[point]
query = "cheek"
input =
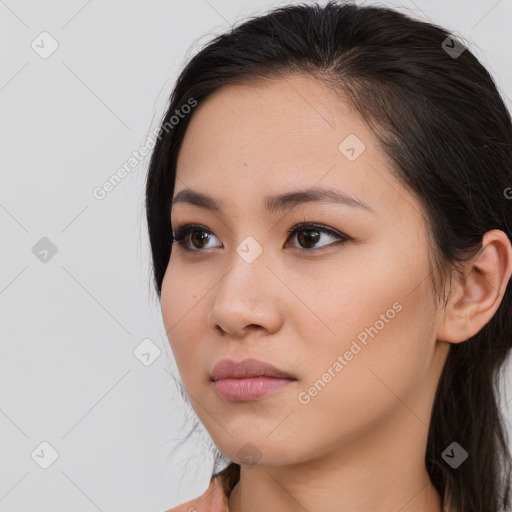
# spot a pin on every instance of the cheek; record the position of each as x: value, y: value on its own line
x: 381, y: 300
x: 182, y: 292
x: 377, y: 321
x: 182, y: 312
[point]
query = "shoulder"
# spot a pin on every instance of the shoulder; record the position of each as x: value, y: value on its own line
x: 213, y: 499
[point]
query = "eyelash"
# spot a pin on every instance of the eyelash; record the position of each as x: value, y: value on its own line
x: 180, y: 235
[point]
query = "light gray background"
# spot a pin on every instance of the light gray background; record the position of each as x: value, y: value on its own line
x: 69, y: 376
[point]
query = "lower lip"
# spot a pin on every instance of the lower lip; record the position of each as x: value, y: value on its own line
x: 251, y: 388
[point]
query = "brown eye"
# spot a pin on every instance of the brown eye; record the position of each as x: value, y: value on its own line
x: 199, y: 238
x: 308, y: 235
x: 192, y: 237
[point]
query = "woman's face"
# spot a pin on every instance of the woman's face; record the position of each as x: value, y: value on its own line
x: 354, y: 322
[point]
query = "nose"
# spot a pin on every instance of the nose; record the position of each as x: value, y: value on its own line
x: 247, y: 299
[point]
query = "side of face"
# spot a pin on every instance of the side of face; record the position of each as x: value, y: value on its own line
x: 354, y: 322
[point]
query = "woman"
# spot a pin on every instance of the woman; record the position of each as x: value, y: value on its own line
x: 334, y: 183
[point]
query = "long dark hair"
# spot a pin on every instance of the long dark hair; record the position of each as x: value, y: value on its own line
x: 442, y: 123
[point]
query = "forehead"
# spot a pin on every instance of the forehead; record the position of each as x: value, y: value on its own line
x: 253, y: 140
x: 279, y: 120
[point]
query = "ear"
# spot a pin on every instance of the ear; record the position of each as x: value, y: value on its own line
x: 476, y: 296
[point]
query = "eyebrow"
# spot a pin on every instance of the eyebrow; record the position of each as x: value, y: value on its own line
x: 276, y: 203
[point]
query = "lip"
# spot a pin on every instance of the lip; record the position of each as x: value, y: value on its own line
x: 248, y: 379
x: 246, y: 368
x: 250, y: 388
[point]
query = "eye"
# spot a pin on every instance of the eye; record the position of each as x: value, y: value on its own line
x: 200, y: 236
x: 181, y: 236
x: 312, y: 233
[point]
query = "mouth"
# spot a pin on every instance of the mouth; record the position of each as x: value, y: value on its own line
x: 250, y: 388
x: 248, y: 379
x: 230, y: 369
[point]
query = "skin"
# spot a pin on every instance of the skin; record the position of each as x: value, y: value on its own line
x: 359, y: 444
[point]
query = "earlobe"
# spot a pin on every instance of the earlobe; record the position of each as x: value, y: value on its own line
x: 476, y: 297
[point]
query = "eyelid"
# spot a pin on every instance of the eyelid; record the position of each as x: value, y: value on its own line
x: 182, y: 231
